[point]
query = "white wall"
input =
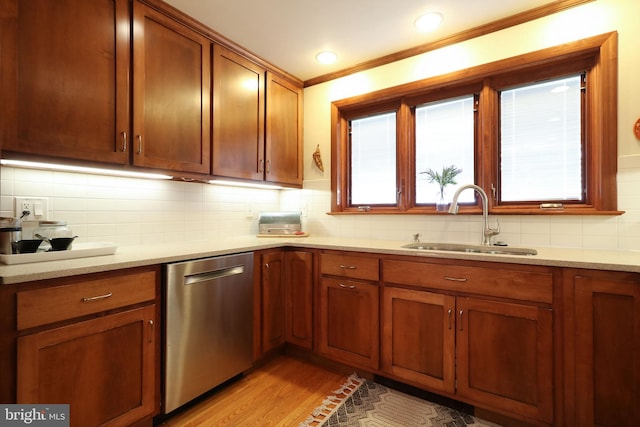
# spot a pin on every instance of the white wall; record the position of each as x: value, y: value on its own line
x: 609, y: 232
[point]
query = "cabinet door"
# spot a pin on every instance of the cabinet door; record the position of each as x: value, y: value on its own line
x: 300, y: 298
x: 273, y: 300
x: 505, y: 357
x: 171, y: 94
x: 238, y: 116
x: 607, y: 350
x: 284, y: 132
x: 349, y: 322
x: 104, y: 368
x: 418, y: 337
x: 65, y: 78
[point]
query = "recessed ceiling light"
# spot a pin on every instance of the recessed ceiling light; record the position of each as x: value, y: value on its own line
x: 326, y: 57
x: 429, y: 21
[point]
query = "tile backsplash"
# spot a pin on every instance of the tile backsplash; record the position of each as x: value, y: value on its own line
x: 130, y: 211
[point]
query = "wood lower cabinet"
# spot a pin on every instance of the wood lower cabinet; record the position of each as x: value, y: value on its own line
x: 504, y: 357
x: 286, y: 303
x: 65, y: 79
x: 91, y: 342
x: 273, y: 289
x: 349, y: 322
x: 348, y: 309
x: 493, y: 349
x: 171, y: 93
x: 104, y: 368
x: 418, y: 337
x: 603, y: 357
x: 299, y: 296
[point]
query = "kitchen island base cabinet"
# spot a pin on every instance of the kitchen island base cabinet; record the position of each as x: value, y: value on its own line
x: 103, y: 368
x: 607, y: 348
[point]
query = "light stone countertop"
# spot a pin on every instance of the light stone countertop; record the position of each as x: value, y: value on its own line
x: 136, y: 256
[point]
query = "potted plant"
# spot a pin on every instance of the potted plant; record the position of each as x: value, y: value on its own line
x: 444, y: 178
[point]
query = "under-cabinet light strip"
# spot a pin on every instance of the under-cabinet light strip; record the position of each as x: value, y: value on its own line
x: 81, y: 169
x: 246, y: 184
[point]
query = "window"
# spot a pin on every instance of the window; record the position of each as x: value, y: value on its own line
x: 373, y: 160
x: 541, y: 156
x: 445, y: 136
x: 537, y: 132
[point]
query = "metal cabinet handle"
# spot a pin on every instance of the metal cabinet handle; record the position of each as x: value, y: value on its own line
x: 461, y: 313
x: 124, y: 141
x: 139, y: 144
x: 99, y: 297
x: 261, y: 166
x: 151, y: 326
x: 455, y: 279
x: 449, y: 312
x: 348, y: 267
x: 342, y: 285
x: 268, y: 166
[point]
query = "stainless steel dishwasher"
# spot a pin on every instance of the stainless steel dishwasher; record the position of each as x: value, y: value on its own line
x: 209, y: 325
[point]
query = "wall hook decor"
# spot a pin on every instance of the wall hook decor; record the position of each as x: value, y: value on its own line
x: 317, y: 158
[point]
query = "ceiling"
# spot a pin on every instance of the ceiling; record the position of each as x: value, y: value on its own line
x: 289, y: 33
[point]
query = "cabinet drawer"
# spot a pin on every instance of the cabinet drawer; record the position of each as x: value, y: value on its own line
x: 47, y: 305
x: 489, y: 281
x: 356, y: 267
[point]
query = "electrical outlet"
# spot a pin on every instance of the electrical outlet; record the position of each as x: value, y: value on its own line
x: 37, y: 208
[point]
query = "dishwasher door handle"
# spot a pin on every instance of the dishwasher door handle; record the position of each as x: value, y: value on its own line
x: 213, y: 275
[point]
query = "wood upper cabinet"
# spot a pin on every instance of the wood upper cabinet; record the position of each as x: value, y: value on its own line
x: 283, y: 150
x: 606, y: 348
x: 348, y: 309
x: 65, y: 78
x: 171, y: 94
x: 257, y: 122
x: 299, y: 296
x: 238, y: 116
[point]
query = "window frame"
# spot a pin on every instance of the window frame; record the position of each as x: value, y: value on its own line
x: 596, y: 55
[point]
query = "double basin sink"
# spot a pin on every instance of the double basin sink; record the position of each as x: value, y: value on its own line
x: 479, y: 249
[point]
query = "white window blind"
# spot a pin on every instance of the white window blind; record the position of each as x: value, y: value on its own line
x: 540, y: 142
x: 373, y: 160
x: 444, y: 137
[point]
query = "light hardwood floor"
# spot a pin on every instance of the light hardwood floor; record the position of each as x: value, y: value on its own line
x: 282, y: 392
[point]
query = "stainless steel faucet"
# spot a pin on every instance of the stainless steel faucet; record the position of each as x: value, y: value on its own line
x: 487, y: 232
